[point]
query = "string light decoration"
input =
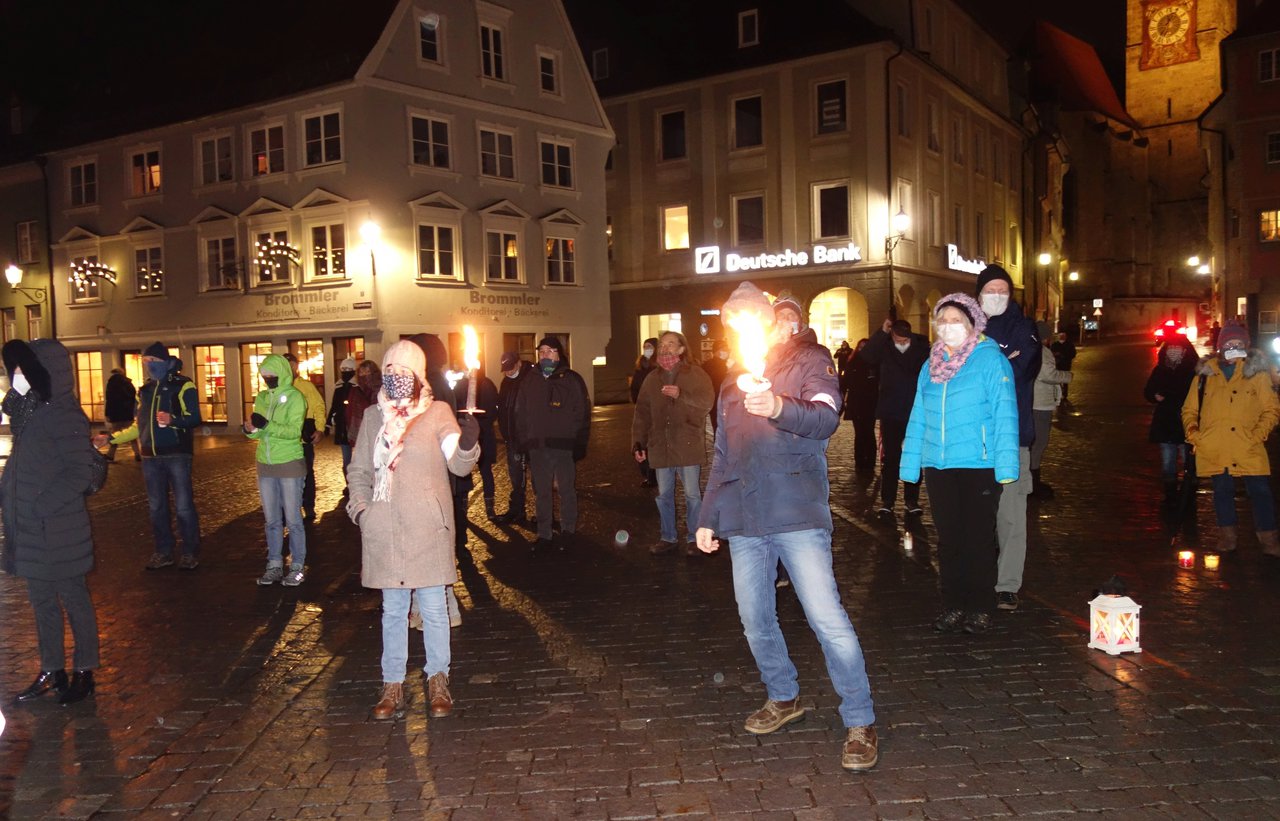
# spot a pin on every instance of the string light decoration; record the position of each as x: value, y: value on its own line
x: 151, y: 281
x: 275, y: 256
x: 86, y: 272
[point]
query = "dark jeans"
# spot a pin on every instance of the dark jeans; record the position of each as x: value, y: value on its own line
x: 309, y: 485
x: 162, y: 474
x: 864, y: 443
x: 1259, y: 490
x: 516, y: 472
x: 964, y: 503
x: 892, y: 433
x: 48, y: 600
x: 554, y: 470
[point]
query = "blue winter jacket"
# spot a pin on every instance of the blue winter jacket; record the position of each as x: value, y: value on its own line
x: 770, y: 475
x: 1016, y: 335
x: 970, y: 421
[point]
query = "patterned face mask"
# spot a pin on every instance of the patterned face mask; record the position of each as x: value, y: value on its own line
x: 397, y: 386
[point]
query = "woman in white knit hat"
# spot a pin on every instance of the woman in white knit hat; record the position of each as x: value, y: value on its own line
x: 400, y: 499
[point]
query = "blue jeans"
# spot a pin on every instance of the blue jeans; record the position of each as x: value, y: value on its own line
x: 689, y: 478
x: 1259, y: 490
x: 395, y: 631
x: 346, y: 457
x: 806, y: 555
x: 1170, y: 453
x: 282, y: 504
x: 160, y: 474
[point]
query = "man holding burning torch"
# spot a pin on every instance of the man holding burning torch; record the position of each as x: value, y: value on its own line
x: 768, y: 494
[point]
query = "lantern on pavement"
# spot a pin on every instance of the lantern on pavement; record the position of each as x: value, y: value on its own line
x: 1113, y: 624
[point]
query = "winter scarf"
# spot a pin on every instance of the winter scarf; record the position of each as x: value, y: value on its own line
x: 397, y: 415
x: 941, y: 365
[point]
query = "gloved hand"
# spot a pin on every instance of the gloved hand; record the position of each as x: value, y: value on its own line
x: 259, y: 421
x: 470, y: 431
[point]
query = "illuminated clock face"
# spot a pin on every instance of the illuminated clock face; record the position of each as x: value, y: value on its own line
x: 1169, y: 25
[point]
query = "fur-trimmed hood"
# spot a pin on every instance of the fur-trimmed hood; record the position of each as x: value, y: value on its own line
x: 1254, y: 364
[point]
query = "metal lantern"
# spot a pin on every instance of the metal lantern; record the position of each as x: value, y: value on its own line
x: 1113, y: 624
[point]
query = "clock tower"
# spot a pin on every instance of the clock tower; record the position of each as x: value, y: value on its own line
x: 1172, y: 73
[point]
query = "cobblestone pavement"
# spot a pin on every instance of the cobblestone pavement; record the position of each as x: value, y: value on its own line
x: 605, y: 683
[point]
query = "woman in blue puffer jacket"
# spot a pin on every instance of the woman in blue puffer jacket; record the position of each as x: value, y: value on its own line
x: 963, y: 433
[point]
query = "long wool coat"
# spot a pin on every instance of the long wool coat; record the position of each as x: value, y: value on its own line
x: 672, y: 430
x: 1230, y: 430
x: 407, y: 540
x: 46, y: 523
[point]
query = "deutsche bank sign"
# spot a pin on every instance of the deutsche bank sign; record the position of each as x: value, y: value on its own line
x: 706, y: 260
x: 958, y: 263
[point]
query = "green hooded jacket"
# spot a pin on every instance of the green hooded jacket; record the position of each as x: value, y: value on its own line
x: 284, y: 409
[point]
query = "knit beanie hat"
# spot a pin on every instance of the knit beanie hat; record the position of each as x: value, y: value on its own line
x: 1232, y: 330
x: 156, y: 350
x: 786, y: 299
x: 747, y: 297
x: 992, y: 272
x: 347, y: 364
x: 967, y: 305
x: 555, y: 344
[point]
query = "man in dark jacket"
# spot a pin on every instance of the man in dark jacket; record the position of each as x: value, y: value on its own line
x: 336, y: 421
x: 899, y: 354
x: 553, y: 425
x: 717, y: 368
x: 768, y: 493
x: 47, y: 539
x: 1016, y: 335
x: 121, y: 405
x: 168, y: 411
x: 514, y: 372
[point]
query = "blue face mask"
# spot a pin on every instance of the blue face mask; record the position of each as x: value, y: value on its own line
x: 547, y: 366
x: 157, y: 370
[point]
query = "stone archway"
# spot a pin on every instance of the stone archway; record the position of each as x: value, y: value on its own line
x: 839, y: 314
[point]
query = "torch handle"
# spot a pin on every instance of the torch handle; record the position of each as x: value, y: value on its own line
x: 471, y: 391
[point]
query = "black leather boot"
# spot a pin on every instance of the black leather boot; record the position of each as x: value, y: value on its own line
x: 55, y: 680
x: 81, y: 687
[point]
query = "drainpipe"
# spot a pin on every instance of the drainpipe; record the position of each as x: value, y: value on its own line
x: 43, y: 162
x: 888, y: 173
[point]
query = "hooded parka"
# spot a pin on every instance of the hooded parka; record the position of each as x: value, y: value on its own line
x: 1229, y: 431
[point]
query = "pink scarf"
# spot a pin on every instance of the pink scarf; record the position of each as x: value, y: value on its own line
x: 942, y: 367
x: 396, y: 417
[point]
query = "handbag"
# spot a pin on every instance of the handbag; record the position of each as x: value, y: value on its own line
x: 97, y: 471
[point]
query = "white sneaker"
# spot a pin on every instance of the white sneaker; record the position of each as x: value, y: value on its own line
x: 294, y: 577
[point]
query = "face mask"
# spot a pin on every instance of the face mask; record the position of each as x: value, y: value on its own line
x: 157, y: 370
x: 1062, y: 337
x: 952, y: 334
x: 795, y: 328
x: 648, y: 352
x: 1174, y: 355
x: 723, y: 354
x: 347, y: 376
x: 667, y: 361
x: 1234, y: 354
x: 547, y: 366
x: 397, y: 386
x: 513, y: 373
x: 20, y: 383
x: 902, y: 346
x: 271, y: 381
x: 994, y: 304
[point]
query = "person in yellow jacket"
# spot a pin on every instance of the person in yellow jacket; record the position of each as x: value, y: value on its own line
x: 312, y: 433
x: 1228, y: 414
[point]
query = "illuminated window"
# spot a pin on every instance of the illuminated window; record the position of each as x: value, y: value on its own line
x: 215, y: 159
x: 148, y: 271
x: 655, y: 325
x: 675, y: 227
x: 273, y: 256
x: 347, y: 346
x: 84, y: 183
x: 90, y: 290
x: 831, y: 210
x: 310, y: 356
x: 266, y: 150
x: 144, y: 173
x: 322, y: 138
x: 211, y: 382
x: 502, y: 256
x: 830, y: 103
x: 557, y: 164
x: 497, y: 154
x: 1269, y: 226
x: 251, y: 384
x: 329, y: 251
x: 89, y: 383
x: 436, y: 252
x: 492, y: 56
x: 560, y: 261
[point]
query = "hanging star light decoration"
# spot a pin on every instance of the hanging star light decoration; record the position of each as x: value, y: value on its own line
x: 85, y: 271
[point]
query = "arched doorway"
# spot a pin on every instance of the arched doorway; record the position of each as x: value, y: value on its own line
x: 837, y: 315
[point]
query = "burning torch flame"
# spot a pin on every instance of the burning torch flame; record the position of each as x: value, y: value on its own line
x: 470, y: 349
x: 753, y: 345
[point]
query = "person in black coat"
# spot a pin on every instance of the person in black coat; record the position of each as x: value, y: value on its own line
x: 1167, y: 387
x: 861, y: 389
x: 717, y: 369
x: 121, y: 404
x: 899, y: 355
x: 644, y: 366
x: 47, y: 539
x: 336, y: 421
x: 514, y: 373
x: 487, y: 402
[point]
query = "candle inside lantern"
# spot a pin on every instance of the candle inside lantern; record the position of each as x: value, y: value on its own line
x: 753, y: 346
x: 1186, y: 558
x: 907, y: 542
x: 1211, y: 561
x: 471, y: 358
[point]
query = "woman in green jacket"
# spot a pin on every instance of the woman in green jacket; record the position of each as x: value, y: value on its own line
x: 276, y: 424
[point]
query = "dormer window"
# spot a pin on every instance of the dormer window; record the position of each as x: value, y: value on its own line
x: 600, y: 64
x: 748, y: 28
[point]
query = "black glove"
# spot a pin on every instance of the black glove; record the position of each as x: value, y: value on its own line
x: 470, y: 432
x: 308, y: 429
x: 259, y: 421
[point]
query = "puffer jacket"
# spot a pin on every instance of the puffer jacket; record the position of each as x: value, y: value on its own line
x: 285, y: 410
x: 673, y: 431
x: 553, y: 412
x: 1229, y: 432
x: 1016, y: 336
x: 46, y: 522
x: 770, y: 475
x: 969, y: 421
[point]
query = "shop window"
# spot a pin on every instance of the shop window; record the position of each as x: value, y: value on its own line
x: 251, y: 384
x: 89, y: 384
x: 310, y: 355
x: 211, y: 382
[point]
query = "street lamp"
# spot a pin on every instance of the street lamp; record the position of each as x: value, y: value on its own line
x: 13, y: 274
x: 1045, y: 258
x: 1074, y: 276
x: 899, y: 225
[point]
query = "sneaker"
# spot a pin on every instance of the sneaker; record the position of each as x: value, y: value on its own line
x: 294, y: 577
x: 951, y: 621
x: 884, y: 513
x: 773, y: 716
x: 273, y: 574
x: 861, y: 749
x: 915, y: 510
x: 976, y: 623
x: 159, y: 560
x: 188, y: 562
x: 1006, y: 600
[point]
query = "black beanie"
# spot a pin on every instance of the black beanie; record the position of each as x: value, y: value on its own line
x: 993, y: 272
x: 157, y: 350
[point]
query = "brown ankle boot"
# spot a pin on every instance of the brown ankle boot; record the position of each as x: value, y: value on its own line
x: 1227, y: 539
x: 391, y: 705
x: 438, y: 695
x: 1270, y: 541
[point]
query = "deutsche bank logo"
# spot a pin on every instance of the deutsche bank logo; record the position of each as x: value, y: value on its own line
x: 706, y: 260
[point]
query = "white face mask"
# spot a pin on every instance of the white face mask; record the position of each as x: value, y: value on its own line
x: 1234, y: 354
x: 20, y: 383
x: 994, y: 304
x: 648, y: 352
x: 723, y: 354
x: 902, y: 346
x: 952, y: 334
